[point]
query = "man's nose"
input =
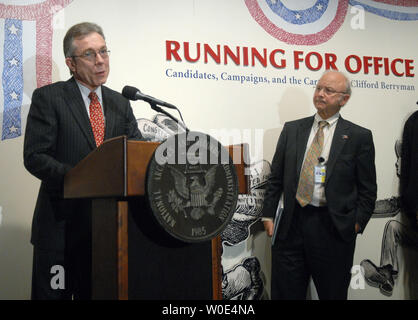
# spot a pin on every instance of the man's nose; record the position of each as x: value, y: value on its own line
x: 320, y: 92
x: 99, y: 59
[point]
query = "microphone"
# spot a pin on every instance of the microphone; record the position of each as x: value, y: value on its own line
x: 133, y: 93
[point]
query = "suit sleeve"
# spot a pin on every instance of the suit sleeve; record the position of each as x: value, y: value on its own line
x: 132, y: 131
x: 409, y: 201
x: 40, y: 142
x: 366, y: 181
x: 274, y: 187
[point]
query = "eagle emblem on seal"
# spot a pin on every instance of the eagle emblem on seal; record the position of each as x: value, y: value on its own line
x: 193, y: 194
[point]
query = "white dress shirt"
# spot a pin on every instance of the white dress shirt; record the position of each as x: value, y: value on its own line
x: 85, y: 95
x: 318, y: 198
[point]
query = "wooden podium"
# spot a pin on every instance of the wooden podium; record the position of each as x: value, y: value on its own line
x: 154, y: 265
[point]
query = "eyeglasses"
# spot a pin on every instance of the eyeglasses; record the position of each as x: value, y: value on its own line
x: 328, y: 91
x: 91, y: 55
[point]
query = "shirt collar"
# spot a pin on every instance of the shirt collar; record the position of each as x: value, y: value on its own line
x: 86, y: 91
x: 332, y: 120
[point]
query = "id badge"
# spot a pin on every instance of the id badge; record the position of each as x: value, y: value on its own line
x: 320, y: 174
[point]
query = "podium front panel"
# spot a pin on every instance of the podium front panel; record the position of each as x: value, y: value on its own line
x: 162, y: 267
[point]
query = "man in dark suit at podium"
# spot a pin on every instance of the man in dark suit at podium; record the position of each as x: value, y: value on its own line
x: 324, y: 167
x: 68, y: 120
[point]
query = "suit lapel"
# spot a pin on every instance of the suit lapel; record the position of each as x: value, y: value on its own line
x: 341, y: 135
x: 77, y: 107
x: 301, y: 141
x: 108, y: 113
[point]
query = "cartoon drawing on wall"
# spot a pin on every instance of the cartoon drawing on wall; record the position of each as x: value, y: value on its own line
x: 395, y: 234
x: 249, y: 206
x: 390, y: 207
x: 237, y: 284
x: 244, y: 280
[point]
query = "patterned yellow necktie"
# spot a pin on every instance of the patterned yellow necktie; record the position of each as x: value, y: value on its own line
x: 306, y: 180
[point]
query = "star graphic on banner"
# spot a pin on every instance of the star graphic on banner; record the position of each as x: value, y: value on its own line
x: 319, y: 7
x: 13, y: 129
x: 297, y: 16
x: 273, y: 1
x: 13, y: 29
x: 13, y: 62
x: 14, y: 95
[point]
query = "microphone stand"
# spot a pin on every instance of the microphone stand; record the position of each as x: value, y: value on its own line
x: 160, y: 110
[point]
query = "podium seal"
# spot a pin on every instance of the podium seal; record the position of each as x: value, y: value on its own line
x: 192, y: 186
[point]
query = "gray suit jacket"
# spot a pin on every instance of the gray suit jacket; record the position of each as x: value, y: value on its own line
x: 58, y: 135
x: 350, y: 185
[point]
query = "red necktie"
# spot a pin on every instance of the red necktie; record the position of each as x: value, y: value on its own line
x: 96, y: 118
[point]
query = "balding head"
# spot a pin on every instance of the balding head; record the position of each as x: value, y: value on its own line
x: 332, y: 92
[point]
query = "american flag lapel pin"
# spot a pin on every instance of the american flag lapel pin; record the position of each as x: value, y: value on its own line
x: 345, y: 137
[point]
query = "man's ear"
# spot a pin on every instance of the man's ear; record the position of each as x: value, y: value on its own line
x: 344, y: 99
x: 70, y: 64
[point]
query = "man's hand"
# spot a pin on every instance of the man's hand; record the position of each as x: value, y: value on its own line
x: 269, y: 227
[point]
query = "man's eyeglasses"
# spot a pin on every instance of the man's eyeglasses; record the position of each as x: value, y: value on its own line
x: 91, y: 54
x: 328, y: 91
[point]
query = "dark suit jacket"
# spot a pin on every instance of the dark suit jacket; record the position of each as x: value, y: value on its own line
x: 58, y: 135
x: 350, y: 185
x: 409, y: 166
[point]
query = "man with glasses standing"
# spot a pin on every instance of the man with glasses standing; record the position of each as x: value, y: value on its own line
x: 68, y: 120
x: 324, y: 168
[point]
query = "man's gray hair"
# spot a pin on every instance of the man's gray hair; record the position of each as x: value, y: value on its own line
x: 79, y: 30
x: 347, y: 80
x: 347, y: 84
